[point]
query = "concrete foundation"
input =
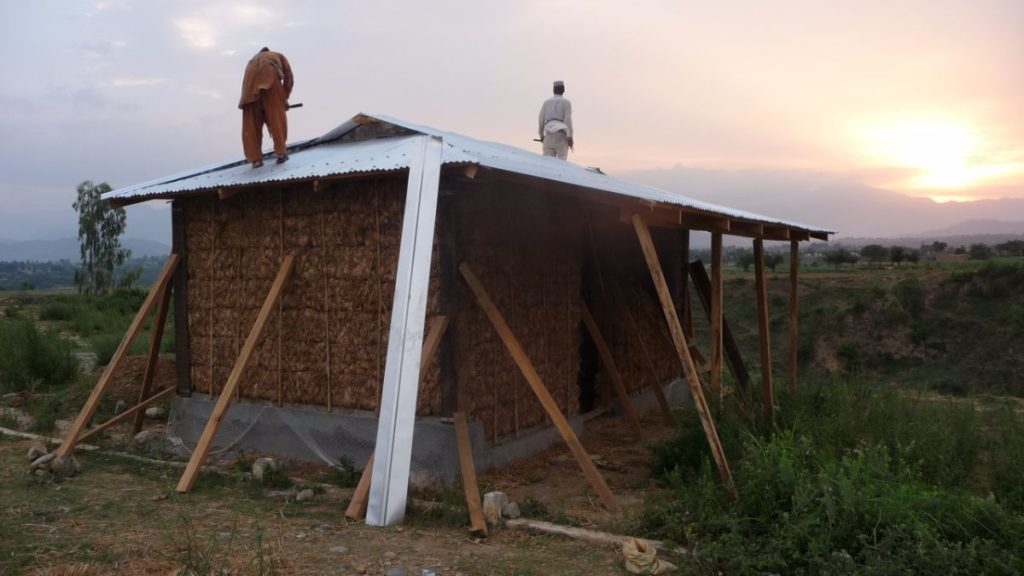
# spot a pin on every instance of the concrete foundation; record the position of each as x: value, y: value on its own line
x: 312, y: 435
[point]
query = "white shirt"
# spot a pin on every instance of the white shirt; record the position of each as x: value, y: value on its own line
x: 559, y: 109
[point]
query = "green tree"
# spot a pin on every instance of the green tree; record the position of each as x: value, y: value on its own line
x: 939, y: 246
x: 897, y: 254
x: 841, y: 256
x: 744, y: 258
x: 773, y: 259
x: 979, y: 251
x: 874, y: 252
x: 99, y: 231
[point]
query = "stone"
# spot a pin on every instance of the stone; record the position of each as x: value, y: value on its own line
x: 510, y: 511
x: 36, y: 450
x: 423, y: 480
x: 149, y: 437
x: 493, y: 503
x: 155, y: 413
x: 338, y: 550
x: 119, y: 407
x: 396, y: 571
x: 260, y: 466
x: 62, y: 427
x: 65, y: 466
x: 42, y: 463
x: 304, y: 495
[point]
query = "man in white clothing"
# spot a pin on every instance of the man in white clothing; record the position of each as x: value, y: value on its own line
x: 555, y: 124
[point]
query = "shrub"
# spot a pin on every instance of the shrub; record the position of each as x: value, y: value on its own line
x: 32, y: 359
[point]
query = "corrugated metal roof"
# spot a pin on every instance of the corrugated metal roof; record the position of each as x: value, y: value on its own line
x: 330, y: 156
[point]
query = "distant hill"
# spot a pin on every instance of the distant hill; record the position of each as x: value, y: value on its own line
x: 987, y: 226
x: 67, y: 249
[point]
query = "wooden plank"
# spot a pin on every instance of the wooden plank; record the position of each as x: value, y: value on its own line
x: 182, y: 351
x: 89, y: 408
x: 613, y: 370
x: 133, y: 411
x: 716, y: 314
x: 684, y: 247
x: 357, y: 506
x: 154, y: 352
x: 734, y: 359
x: 469, y: 486
x: 679, y: 339
x: 539, y: 389
x: 819, y: 235
x: 764, y: 340
x: 438, y: 326
x: 794, y: 264
x: 188, y: 478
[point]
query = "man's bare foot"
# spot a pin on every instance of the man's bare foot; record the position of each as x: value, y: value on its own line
x: 282, y: 159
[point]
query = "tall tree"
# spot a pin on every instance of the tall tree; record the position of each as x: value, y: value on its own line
x: 99, y: 236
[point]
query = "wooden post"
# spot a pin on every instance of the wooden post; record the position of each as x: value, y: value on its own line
x: 134, y: 410
x: 182, y: 350
x: 684, y: 247
x: 702, y: 284
x: 188, y: 478
x: 613, y: 370
x: 679, y: 339
x: 154, y: 352
x: 794, y: 263
x: 117, y: 359
x: 761, y: 285
x: 539, y: 389
x: 357, y: 506
x: 659, y: 392
x: 476, y: 514
x: 716, y: 313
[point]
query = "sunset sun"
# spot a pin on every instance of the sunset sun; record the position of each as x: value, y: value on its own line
x: 939, y: 152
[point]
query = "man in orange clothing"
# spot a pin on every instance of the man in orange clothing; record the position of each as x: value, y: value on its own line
x: 265, y: 90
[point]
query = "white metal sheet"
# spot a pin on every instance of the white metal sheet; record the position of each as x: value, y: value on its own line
x: 390, y: 481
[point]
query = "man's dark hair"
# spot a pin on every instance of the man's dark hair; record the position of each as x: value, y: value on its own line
x: 560, y: 89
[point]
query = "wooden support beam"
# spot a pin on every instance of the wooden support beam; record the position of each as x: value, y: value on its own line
x: 716, y: 314
x: 357, y: 506
x: 764, y: 340
x: 438, y: 326
x: 133, y: 411
x: 776, y: 233
x: 799, y: 235
x: 819, y: 235
x: 687, y: 306
x: 613, y: 370
x: 154, y: 352
x: 117, y: 359
x: 741, y: 228
x: 539, y: 389
x: 732, y: 351
x: 188, y: 478
x: 679, y: 339
x: 361, y: 496
x: 702, y: 221
x: 182, y: 350
x: 476, y: 513
x: 794, y: 264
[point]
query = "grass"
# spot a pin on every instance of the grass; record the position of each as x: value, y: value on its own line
x: 33, y: 359
x: 850, y: 479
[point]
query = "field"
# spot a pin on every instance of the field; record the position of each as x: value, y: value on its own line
x: 899, y: 453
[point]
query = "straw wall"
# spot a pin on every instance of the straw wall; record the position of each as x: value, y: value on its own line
x: 525, y: 246
x: 326, y: 342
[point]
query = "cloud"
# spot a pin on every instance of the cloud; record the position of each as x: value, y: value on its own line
x: 133, y: 82
x: 206, y: 28
x: 200, y: 91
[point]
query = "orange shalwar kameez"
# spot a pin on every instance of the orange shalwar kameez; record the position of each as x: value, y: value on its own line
x: 266, y: 86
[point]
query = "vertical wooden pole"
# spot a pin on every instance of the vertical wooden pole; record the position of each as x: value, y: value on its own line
x: 188, y: 478
x: 683, y: 350
x: 154, y: 352
x: 93, y: 402
x: 476, y: 514
x: 325, y: 253
x: 613, y: 370
x: 684, y: 279
x: 515, y: 349
x: 182, y: 350
x: 767, y: 391
x: 280, y: 311
x: 717, y: 313
x: 794, y: 264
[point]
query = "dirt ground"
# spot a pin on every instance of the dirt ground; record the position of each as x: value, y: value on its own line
x: 121, y: 517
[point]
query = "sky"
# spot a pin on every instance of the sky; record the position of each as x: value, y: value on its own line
x: 918, y: 97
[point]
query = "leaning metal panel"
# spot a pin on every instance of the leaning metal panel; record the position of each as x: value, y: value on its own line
x: 390, y: 485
